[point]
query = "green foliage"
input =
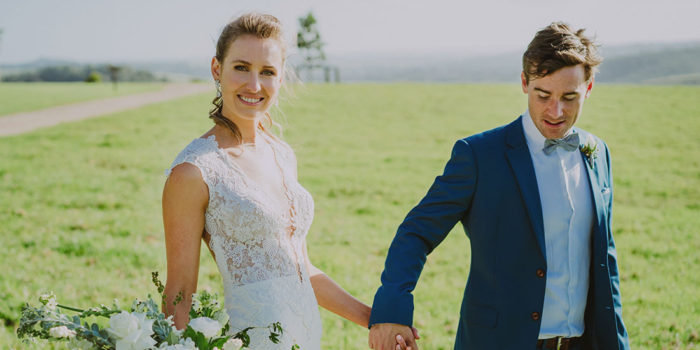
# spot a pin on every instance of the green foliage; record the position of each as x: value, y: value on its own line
x: 309, y: 41
x: 93, y: 77
x: 367, y: 153
x: 36, y: 322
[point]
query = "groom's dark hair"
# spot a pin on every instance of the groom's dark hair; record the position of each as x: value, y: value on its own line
x: 557, y: 46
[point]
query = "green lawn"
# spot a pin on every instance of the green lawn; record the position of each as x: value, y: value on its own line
x: 23, y: 97
x: 80, y: 203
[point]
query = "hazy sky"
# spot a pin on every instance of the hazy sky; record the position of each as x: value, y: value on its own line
x: 131, y: 30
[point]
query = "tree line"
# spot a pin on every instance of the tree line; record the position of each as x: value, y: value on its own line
x: 87, y: 73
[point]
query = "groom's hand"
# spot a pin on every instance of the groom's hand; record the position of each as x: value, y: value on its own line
x: 385, y: 336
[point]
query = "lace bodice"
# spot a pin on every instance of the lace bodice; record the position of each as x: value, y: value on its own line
x: 258, y: 245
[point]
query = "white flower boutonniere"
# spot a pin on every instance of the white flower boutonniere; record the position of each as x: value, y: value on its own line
x: 590, y: 150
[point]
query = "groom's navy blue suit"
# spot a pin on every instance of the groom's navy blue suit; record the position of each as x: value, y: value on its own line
x: 489, y: 185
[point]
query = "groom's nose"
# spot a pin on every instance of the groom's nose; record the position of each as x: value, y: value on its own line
x: 555, y: 109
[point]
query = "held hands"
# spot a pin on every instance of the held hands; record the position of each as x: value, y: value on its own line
x: 392, y: 336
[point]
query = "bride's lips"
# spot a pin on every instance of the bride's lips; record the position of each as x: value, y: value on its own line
x: 250, y: 100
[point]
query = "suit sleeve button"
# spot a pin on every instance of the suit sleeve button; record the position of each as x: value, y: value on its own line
x: 535, y: 316
x: 540, y: 273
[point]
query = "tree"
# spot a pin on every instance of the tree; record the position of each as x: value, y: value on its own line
x: 114, y: 75
x: 309, y: 42
x: 93, y: 77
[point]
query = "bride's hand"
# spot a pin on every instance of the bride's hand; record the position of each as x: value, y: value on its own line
x: 401, y: 343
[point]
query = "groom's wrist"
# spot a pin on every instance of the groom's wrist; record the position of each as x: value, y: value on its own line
x: 395, y: 315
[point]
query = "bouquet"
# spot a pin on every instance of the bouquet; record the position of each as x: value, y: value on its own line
x: 142, y: 326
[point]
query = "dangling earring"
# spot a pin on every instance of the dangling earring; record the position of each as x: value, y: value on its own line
x: 217, y: 83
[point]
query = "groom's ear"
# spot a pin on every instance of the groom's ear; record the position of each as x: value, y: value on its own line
x: 589, y: 87
x: 523, y: 81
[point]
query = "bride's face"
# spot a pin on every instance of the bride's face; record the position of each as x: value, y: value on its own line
x: 250, y: 77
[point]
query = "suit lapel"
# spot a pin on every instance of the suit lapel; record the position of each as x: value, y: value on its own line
x: 521, y: 163
x: 596, y: 194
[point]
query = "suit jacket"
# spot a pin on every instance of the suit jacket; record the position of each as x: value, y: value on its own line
x: 489, y: 186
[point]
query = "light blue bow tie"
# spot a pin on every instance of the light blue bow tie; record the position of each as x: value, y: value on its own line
x: 569, y: 143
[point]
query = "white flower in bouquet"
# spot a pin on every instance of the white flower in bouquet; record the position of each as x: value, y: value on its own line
x: 222, y: 317
x: 49, y: 300
x: 185, y: 344
x: 61, y: 332
x: 205, y: 325
x: 132, y: 331
x: 80, y: 344
x: 196, y: 304
x: 232, y: 344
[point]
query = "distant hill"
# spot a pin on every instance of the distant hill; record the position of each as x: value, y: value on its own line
x: 675, y: 63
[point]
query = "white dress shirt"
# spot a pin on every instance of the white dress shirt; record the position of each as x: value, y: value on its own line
x: 567, y: 211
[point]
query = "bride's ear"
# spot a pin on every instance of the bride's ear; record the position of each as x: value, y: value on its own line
x: 215, y: 68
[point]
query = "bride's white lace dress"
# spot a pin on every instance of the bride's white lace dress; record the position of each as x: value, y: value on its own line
x: 259, y: 255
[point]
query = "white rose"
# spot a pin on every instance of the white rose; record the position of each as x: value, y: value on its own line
x: 80, y: 344
x: 185, y: 344
x: 123, y: 324
x: 188, y: 344
x: 205, y: 325
x: 131, y: 330
x: 233, y: 344
x: 61, y: 332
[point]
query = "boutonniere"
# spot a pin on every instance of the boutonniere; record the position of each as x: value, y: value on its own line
x: 590, y: 150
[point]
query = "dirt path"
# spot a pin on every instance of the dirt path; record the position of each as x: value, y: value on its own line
x: 18, y: 123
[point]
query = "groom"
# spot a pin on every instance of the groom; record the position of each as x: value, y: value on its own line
x: 535, y: 199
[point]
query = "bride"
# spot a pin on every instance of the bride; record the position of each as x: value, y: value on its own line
x: 236, y: 188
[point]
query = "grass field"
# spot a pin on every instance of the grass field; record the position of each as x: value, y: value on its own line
x: 23, y: 97
x: 80, y: 203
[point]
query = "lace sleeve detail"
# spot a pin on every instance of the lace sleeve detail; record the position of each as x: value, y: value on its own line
x: 197, y: 153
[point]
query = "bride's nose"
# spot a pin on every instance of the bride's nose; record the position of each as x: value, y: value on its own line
x: 253, y: 82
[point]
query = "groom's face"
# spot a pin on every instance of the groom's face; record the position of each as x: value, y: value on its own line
x: 555, y: 101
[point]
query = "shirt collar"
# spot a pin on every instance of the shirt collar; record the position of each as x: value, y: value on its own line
x: 535, y: 140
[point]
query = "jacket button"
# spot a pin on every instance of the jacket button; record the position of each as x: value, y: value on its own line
x: 535, y: 316
x: 540, y: 273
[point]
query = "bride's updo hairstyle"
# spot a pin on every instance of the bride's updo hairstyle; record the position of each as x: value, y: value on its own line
x: 261, y: 26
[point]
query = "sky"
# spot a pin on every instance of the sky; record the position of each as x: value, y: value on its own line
x: 153, y: 30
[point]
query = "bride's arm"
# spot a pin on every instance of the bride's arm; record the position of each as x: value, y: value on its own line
x: 334, y: 298
x: 185, y: 198
x: 329, y: 294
